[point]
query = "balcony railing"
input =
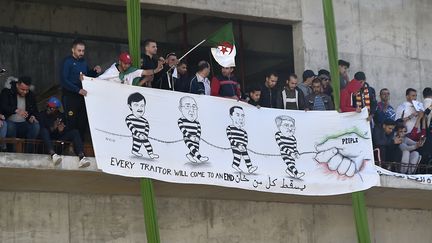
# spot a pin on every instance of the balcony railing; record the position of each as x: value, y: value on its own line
x: 37, y: 146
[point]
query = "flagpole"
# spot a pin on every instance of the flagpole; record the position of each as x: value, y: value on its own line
x: 193, y: 48
x: 358, y: 198
x: 133, y: 8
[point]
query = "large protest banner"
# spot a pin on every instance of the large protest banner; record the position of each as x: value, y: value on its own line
x: 185, y: 138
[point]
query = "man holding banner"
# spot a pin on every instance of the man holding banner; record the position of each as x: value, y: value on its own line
x: 122, y: 72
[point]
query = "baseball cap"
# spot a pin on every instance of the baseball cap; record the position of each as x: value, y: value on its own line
x: 308, y: 74
x: 125, y: 58
x: 53, y: 102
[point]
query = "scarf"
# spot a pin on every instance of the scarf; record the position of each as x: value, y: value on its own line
x: 128, y: 71
x: 362, y: 98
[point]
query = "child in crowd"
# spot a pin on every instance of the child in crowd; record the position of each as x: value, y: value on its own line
x: 254, y: 96
x: 410, y: 157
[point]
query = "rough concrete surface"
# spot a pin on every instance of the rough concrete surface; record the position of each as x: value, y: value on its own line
x: 68, y: 217
x: 389, y: 39
x: 43, y: 203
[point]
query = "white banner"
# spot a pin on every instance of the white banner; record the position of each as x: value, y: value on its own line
x: 184, y: 138
x: 419, y: 178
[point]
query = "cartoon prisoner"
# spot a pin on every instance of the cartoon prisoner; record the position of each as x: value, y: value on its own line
x: 238, y: 139
x: 138, y: 125
x: 190, y: 128
x: 288, y: 144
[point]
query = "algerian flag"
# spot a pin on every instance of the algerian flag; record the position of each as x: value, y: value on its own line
x: 224, y: 50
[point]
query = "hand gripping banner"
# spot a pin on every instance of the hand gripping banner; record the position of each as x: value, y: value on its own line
x: 185, y: 138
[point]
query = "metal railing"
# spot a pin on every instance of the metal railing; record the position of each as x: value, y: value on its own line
x: 397, y: 166
x: 37, y: 146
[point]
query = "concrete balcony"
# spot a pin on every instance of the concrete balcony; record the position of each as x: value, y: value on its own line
x: 43, y: 203
x: 34, y: 172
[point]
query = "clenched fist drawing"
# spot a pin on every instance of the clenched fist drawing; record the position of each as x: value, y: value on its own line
x: 341, y: 154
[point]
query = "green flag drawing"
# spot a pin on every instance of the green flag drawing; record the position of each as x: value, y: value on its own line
x: 223, y: 50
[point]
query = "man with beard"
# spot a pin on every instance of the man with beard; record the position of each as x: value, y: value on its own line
x: 151, y: 64
x: 318, y: 101
x: 122, y: 72
x: 19, y: 108
x: 73, y: 92
x: 291, y: 97
x: 226, y: 84
x: 269, y: 91
x: 181, y: 78
x: 166, y: 78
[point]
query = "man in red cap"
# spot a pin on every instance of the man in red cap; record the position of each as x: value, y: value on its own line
x: 123, y: 73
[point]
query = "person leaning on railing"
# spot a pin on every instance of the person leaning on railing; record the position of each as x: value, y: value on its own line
x: 384, y: 139
x: 410, y: 156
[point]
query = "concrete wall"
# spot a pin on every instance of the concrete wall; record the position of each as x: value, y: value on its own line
x: 40, y: 202
x: 61, y: 217
x: 390, y: 40
x: 281, y: 11
x: 36, y: 35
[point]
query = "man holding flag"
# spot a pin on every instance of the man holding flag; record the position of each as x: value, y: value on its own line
x: 226, y: 85
x: 224, y: 52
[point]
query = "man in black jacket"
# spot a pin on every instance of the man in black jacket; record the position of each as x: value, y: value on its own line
x: 291, y: 97
x: 269, y: 91
x: 18, y: 105
x: 53, y: 127
x: 182, y: 79
x: 384, y: 139
x: 318, y: 101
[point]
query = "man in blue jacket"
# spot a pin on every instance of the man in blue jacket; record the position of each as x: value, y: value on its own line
x: 73, y: 92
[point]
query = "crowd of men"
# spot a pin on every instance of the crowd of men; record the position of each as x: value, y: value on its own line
x: 399, y: 135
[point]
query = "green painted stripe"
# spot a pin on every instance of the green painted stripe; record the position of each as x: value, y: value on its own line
x: 134, y: 38
x: 358, y: 198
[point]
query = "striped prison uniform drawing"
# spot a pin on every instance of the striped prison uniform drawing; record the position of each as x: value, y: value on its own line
x: 138, y: 126
x: 288, y: 148
x: 189, y: 129
x: 237, y: 137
